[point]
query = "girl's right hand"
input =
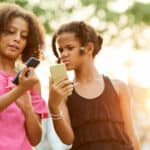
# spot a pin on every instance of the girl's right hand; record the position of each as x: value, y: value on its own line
x: 26, y: 82
x: 59, y: 91
x: 24, y: 102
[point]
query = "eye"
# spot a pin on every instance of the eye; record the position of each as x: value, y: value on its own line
x: 10, y: 31
x: 60, y: 50
x: 70, y: 48
x: 24, y: 36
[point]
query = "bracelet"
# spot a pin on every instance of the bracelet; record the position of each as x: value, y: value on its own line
x: 56, y: 116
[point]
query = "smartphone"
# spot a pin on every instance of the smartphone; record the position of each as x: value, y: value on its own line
x: 31, y: 62
x: 58, y: 72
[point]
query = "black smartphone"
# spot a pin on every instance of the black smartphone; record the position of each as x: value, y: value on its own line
x: 31, y: 62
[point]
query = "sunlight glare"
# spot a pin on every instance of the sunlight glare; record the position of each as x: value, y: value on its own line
x: 70, y: 3
x: 35, y: 1
x: 119, y: 5
x: 140, y: 71
x: 143, y: 1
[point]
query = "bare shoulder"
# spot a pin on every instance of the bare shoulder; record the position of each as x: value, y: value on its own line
x: 121, y: 88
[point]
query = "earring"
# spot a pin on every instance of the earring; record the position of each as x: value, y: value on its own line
x: 82, y: 49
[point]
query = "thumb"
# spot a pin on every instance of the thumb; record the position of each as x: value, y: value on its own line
x: 51, y: 80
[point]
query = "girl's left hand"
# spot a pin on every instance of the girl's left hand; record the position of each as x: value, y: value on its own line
x: 24, y: 102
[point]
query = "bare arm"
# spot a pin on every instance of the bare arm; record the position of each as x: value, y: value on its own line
x: 57, y: 104
x: 33, y: 127
x: 125, y: 102
x: 32, y: 120
x: 12, y: 95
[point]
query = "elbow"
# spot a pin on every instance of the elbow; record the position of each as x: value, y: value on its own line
x: 35, y: 141
x: 68, y: 141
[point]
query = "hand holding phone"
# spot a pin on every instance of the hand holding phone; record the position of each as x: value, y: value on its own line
x: 58, y: 72
x: 31, y: 62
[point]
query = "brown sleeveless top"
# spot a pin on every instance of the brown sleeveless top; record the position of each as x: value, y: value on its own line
x: 97, y: 123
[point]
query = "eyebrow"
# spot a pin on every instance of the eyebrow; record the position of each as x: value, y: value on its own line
x: 70, y: 44
x: 12, y: 26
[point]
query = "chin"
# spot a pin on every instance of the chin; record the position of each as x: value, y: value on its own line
x: 12, y: 57
x: 69, y: 67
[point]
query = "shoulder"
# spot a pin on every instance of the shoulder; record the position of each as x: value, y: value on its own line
x: 121, y: 89
x: 37, y: 88
x: 119, y: 85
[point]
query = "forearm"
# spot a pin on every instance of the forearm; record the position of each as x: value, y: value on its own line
x: 136, y: 144
x: 33, y: 127
x: 62, y: 127
x: 10, y: 97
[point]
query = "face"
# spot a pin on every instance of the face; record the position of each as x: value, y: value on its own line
x: 69, y: 46
x: 14, y: 40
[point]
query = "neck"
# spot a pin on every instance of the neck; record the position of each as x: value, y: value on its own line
x: 7, y: 65
x: 87, y: 73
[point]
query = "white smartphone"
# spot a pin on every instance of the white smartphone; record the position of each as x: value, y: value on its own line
x: 58, y: 72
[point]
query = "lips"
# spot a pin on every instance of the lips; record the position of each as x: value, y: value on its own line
x: 65, y: 61
x: 13, y: 47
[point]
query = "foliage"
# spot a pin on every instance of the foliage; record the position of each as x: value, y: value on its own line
x: 55, y: 10
x: 140, y: 13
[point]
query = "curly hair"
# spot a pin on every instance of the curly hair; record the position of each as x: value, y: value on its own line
x: 84, y: 32
x: 36, y: 37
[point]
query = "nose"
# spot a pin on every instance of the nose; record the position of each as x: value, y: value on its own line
x: 64, y: 53
x: 17, y: 37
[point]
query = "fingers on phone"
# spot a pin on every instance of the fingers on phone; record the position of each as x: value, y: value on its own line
x: 23, y: 72
x: 30, y: 71
x: 63, y: 83
x: 68, y: 89
x: 26, y: 72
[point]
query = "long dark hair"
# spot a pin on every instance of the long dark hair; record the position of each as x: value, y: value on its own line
x: 35, y: 39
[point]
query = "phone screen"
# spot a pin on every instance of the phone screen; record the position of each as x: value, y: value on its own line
x: 58, y: 72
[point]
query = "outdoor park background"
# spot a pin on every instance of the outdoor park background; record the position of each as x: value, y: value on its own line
x: 125, y: 27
